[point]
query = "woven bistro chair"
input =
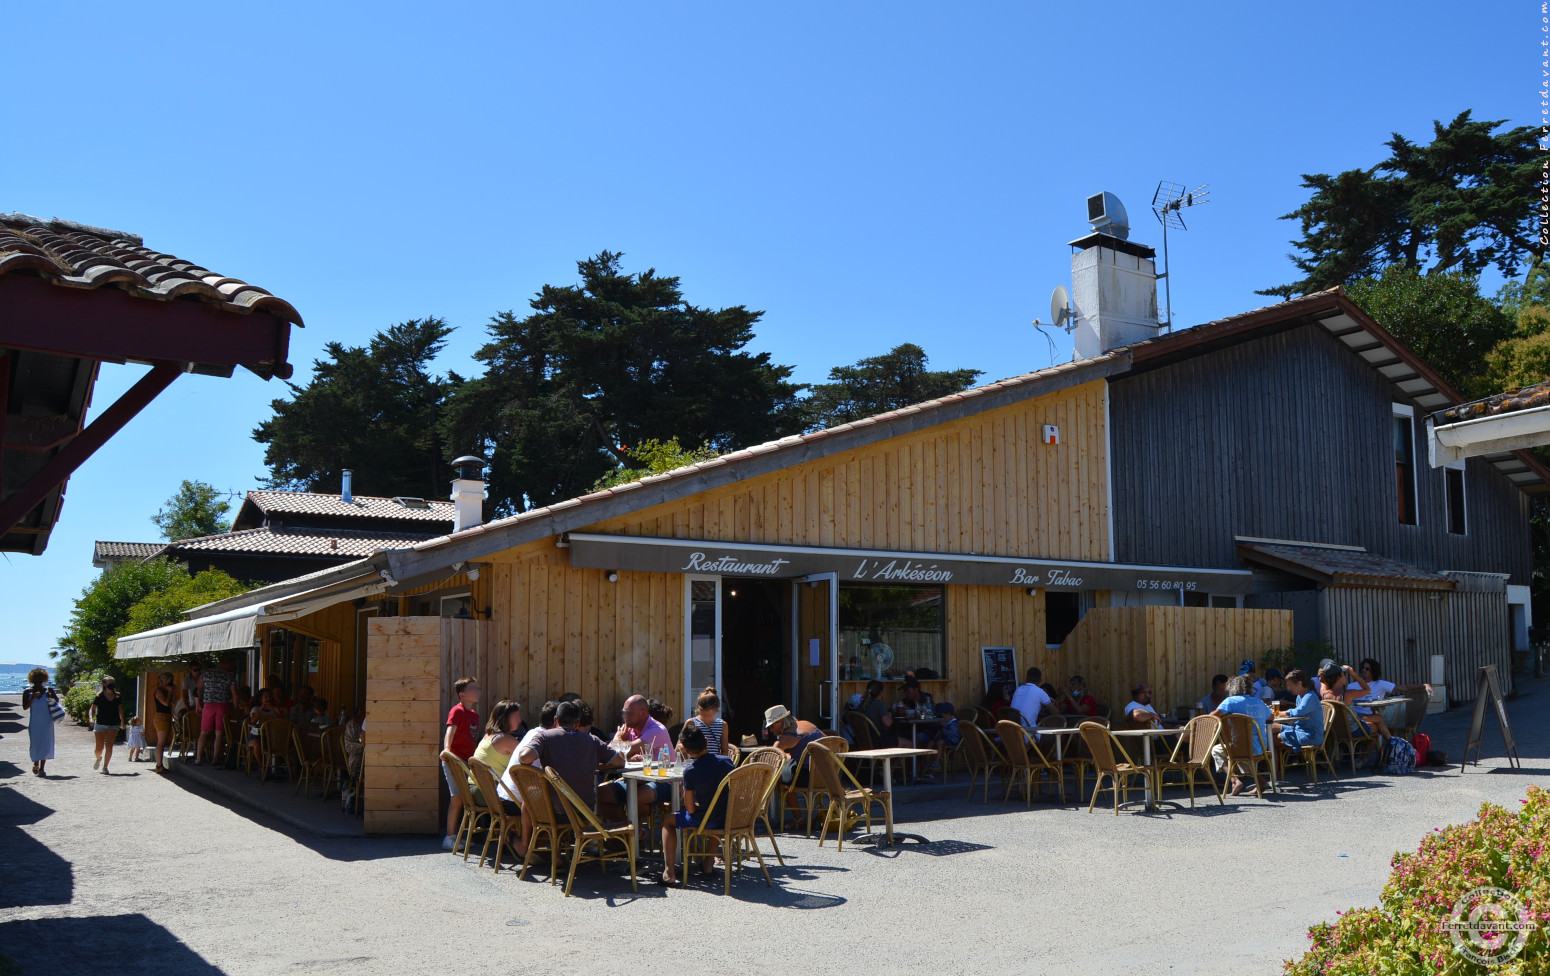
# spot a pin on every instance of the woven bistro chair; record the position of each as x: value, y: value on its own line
x: 812, y: 789
x: 538, y: 801
x: 776, y: 760
x: 310, y: 761
x: 1025, y: 762
x: 866, y: 735
x: 747, y: 790
x: 1339, y: 736
x: 1415, y: 713
x: 1308, y: 757
x: 1101, y: 745
x: 1192, y: 755
x: 185, y: 735
x: 274, y: 747
x: 457, y: 771
x: 1239, y: 735
x: 336, y: 762
x: 983, y: 757
x: 587, y: 831
x: 832, y: 775
x: 236, y: 742
x: 502, y: 824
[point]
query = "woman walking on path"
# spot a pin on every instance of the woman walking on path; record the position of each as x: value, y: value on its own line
x: 164, y: 696
x: 40, y: 724
x: 107, y: 716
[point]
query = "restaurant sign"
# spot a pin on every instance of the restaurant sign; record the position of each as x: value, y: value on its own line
x: 652, y: 555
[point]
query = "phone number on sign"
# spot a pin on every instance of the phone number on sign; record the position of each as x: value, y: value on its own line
x: 1163, y: 585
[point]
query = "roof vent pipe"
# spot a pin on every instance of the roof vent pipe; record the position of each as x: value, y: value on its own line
x: 344, y: 491
x: 468, y: 493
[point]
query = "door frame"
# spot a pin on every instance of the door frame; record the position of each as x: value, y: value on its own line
x: 797, y: 655
x: 691, y: 693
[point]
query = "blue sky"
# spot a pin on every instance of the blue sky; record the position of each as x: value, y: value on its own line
x: 865, y: 174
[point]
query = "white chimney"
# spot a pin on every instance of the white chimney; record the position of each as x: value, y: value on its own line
x: 344, y: 491
x: 468, y: 493
x: 1113, y: 282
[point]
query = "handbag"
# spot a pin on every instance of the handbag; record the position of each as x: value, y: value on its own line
x: 56, y: 710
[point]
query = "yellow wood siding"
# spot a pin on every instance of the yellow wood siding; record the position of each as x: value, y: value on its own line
x: 403, y: 716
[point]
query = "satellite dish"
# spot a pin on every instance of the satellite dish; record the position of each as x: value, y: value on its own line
x: 882, y: 659
x: 1060, y: 307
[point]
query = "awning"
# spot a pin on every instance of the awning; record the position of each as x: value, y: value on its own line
x: 653, y: 555
x: 234, y: 630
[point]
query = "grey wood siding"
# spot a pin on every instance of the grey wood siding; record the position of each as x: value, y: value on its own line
x: 1288, y: 436
x: 1404, y: 628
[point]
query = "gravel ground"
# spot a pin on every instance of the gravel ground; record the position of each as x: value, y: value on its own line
x: 135, y: 869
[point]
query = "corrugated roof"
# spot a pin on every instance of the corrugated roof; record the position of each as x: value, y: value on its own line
x: 81, y: 256
x: 125, y: 550
x: 299, y: 541
x: 1342, y: 565
x: 360, y: 506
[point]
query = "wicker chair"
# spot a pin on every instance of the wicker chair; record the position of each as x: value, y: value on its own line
x: 185, y: 735
x: 1025, y: 763
x: 502, y: 824
x: 1195, y: 746
x: 832, y: 776
x: 336, y: 762
x: 865, y: 735
x: 747, y: 789
x: 473, y: 811
x: 983, y: 758
x: 1239, y: 736
x: 1338, y: 735
x: 1309, y: 757
x: 538, y: 801
x: 1415, y: 714
x: 810, y: 792
x: 1101, y: 745
x: 776, y: 760
x: 310, y: 760
x: 234, y: 738
x: 587, y: 831
x: 274, y: 747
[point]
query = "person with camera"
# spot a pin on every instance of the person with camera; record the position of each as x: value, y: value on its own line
x: 40, y: 722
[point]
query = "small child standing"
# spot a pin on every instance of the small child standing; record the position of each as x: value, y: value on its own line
x: 136, y: 740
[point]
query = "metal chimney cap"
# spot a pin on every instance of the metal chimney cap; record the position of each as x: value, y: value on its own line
x: 469, y: 467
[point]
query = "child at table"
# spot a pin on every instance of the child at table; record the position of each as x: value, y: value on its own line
x: 700, y: 783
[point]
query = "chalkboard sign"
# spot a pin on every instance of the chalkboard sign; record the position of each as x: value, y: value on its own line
x: 1000, y: 665
x: 1488, y: 688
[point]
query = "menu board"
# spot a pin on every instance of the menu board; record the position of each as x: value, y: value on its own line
x: 1488, y: 691
x: 1000, y: 665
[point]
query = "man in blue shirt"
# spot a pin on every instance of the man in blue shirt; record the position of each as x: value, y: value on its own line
x: 1241, y: 700
x: 700, y: 783
x: 1310, y: 730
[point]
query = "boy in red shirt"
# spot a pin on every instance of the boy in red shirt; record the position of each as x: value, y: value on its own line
x: 460, y: 739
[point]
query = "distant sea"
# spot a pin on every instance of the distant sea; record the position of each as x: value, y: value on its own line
x: 13, y: 681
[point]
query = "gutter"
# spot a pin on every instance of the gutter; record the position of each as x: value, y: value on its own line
x: 1478, y: 436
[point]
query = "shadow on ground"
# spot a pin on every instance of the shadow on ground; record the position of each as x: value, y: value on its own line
x: 121, y: 944
x: 35, y: 875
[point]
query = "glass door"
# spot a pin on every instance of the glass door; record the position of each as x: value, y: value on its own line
x: 702, y: 630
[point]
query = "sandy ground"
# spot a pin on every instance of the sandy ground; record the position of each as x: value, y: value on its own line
x: 133, y: 873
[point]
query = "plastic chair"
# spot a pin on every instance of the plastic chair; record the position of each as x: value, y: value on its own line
x: 746, y: 789
x: 1101, y: 744
x: 587, y: 830
x: 502, y: 824
x: 1201, y: 734
x: 537, y: 800
x: 831, y: 774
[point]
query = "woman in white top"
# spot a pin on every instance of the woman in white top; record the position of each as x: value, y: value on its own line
x: 707, y: 720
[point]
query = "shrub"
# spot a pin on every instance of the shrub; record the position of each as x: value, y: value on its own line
x: 1404, y: 935
x: 78, y: 699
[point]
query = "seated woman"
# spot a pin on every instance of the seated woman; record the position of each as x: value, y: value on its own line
x: 997, y: 697
x: 497, y: 747
x: 1076, y: 700
x: 264, y: 710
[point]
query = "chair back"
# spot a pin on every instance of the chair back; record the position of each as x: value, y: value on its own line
x: 533, y: 788
x: 1238, y: 734
x: 766, y: 756
x: 976, y: 745
x: 1415, y: 711
x: 1009, y: 714
x: 580, y: 814
x: 967, y: 714
x: 309, y: 748
x: 457, y: 770
x: 1203, y: 731
x: 747, y: 788
x: 1329, y: 721
x: 1052, y: 722
x: 1013, y: 742
x: 333, y: 747
x: 484, y: 778
x: 1337, y: 722
x: 861, y: 729
x: 825, y: 771
x: 274, y: 734
x: 834, y: 743
x: 1101, y: 746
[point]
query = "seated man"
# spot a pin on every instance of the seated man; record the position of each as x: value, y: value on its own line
x: 1269, y: 688
x: 1242, y: 701
x: 576, y: 757
x: 1031, y: 701
x: 1209, y: 703
x: 1371, y: 674
x: 301, y: 710
x: 785, y: 732
x: 1140, y: 711
x: 642, y: 737
x: 913, y: 698
x: 1309, y: 731
x: 700, y: 783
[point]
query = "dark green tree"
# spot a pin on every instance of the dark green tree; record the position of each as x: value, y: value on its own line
x: 197, y: 509
x: 375, y: 409
x: 1464, y: 202
x: 878, y: 384
x: 606, y: 364
x: 104, y: 607
x: 1441, y: 317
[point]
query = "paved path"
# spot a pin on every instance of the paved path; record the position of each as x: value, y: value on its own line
x: 168, y: 881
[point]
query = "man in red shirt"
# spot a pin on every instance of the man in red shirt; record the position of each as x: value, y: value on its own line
x: 460, y: 739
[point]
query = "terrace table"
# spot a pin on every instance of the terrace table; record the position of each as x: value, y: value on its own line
x: 887, y: 755
x: 1146, y: 736
x: 1059, y: 736
x: 636, y: 774
x: 915, y: 722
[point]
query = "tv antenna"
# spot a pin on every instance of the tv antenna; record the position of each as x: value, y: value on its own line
x: 1168, y: 204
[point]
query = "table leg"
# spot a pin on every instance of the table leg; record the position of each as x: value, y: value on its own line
x: 678, y: 795
x: 888, y: 803
x: 631, y: 802
x: 1146, y: 760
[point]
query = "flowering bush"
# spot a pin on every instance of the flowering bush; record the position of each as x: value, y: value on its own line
x: 1404, y: 935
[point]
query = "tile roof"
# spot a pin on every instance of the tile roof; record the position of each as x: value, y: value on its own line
x: 361, y: 506
x: 125, y: 550
x: 1526, y: 398
x: 81, y: 256
x: 1342, y: 565
x: 299, y: 541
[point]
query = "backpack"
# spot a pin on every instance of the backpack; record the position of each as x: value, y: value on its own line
x: 1399, y: 757
x: 1422, y: 743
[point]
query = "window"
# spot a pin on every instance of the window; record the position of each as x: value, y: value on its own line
x: 1061, y: 612
x: 1453, y: 484
x: 909, y: 621
x: 457, y: 605
x: 1404, y: 462
x: 1196, y: 599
